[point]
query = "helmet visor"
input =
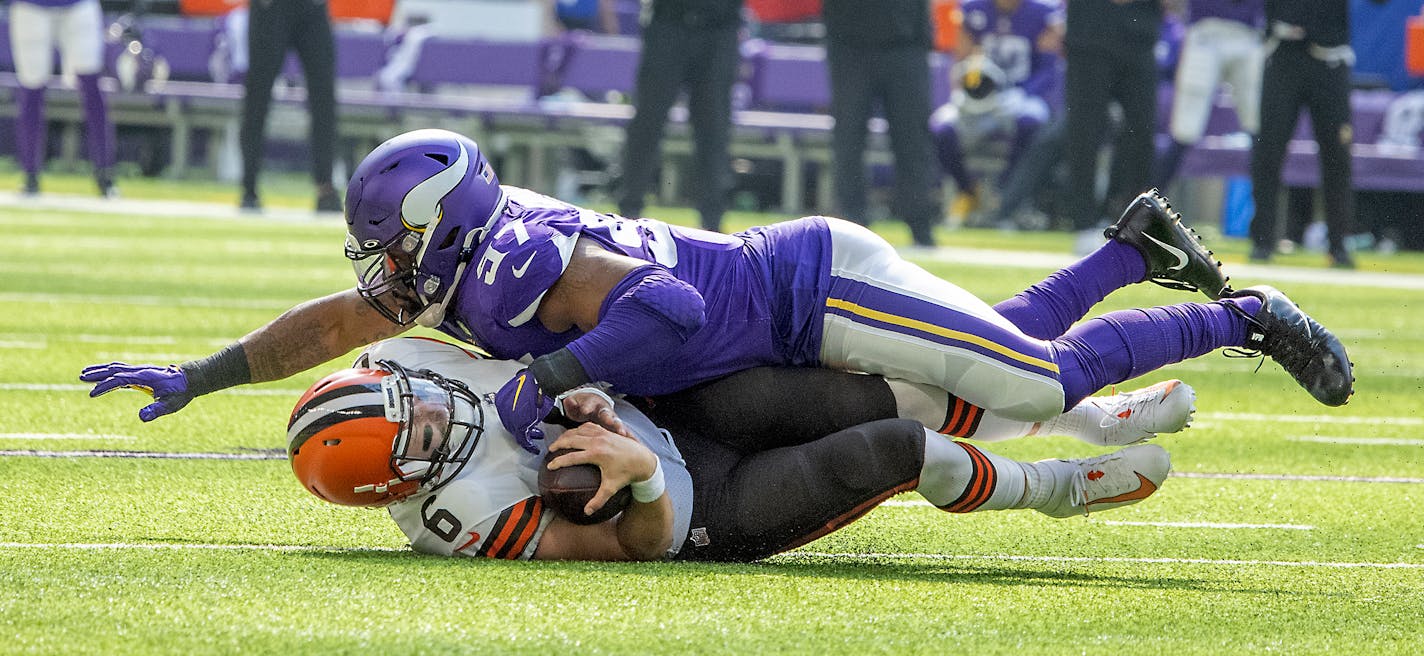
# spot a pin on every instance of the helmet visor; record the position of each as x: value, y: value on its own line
x: 385, y: 277
x: 439, y: 425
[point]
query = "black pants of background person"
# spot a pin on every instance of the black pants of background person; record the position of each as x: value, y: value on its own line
x: 1096, y: 77
x: 704, y: 60
x: 766, y: 480
x: 1035, y: 172
x: 1294, y: 79
x: 274, y: 27
x: 899, y: 78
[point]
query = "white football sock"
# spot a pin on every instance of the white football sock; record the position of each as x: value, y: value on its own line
x: 959, y: 477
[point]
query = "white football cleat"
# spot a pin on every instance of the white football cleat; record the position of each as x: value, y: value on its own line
x: 1122, y: 478
x: 1129, y: 417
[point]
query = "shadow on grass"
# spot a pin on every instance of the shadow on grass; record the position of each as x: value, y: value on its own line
x: 868, y: 569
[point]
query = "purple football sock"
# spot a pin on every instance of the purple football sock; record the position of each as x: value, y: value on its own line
x: 1125, y: 344
x: 30, y: 129
x: 1047, y: 309
x: 98, y: 131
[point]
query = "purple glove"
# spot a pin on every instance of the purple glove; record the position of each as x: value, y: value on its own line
x: 167, y: 385
x: 522, y: 405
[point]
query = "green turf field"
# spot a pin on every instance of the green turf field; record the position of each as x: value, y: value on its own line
x: 1287, y: 527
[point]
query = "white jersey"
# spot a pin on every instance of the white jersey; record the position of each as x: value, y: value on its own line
x: 492, y: 507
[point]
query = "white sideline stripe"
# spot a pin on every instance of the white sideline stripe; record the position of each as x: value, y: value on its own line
x: 206, y: 547
x: 157, y: 455
x: 34, y: 346
x: 1312, y: 419
x: 1366, y: 441
x: 1287, y: 527
x: 1094, y: 559
x: 63, y: 436
x: 71, y: 387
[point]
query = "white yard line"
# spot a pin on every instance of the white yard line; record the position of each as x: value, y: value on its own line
x: 1300, y: 477
x: 154, y: 455
x: 147, y: 301
x: 1363, y: 441
x: 187, y: 211
x: 1211, y: 525
x: 1312, y: 419
x: 63, y: 436
x: 797, y: 555
x: 155, y: 546
x: 72, y: 387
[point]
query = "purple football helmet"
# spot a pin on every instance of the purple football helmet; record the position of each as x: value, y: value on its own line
x: 415, y: 209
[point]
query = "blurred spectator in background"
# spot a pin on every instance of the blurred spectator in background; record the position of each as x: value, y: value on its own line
x: 1308, y: 65
x: 274, y: 27
x: 1009, y: 66
x: 1110, y: 54
x: 1222, y: 44
x: 878, y: 50
x: 75, y: 28
x: 590, y: 15
x: 692, y: 44
x: 786, y: 21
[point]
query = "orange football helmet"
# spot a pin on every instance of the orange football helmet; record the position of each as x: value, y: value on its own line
x: 370, y: 437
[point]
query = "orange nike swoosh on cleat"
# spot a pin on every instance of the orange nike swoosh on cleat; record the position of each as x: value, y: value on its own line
x: 1144, y: 490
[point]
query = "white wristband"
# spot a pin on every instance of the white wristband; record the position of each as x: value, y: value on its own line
x: 648, y: 491
x: 586, y: 389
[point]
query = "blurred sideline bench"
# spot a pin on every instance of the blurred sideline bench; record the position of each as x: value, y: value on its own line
x: 513, y: 97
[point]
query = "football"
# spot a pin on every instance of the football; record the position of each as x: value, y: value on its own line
x: 568, y: 489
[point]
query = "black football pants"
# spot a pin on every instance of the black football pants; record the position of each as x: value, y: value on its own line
x: 782, y: 456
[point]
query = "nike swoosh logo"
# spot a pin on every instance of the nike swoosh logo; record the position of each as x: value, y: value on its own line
x: 1145, y: 488
x: 519, y: 270
x: 1181, y: 254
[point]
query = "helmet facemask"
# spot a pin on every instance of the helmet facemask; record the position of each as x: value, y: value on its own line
x: 440, y: 422
x: 386, y: 276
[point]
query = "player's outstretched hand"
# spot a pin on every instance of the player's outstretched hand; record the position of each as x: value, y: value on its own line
x: 590, y: 404
x: 522, y: 406
x: 167, y: 385
x: 621, y: 460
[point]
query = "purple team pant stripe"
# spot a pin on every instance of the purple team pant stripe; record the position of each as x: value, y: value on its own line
x: 872, y: 306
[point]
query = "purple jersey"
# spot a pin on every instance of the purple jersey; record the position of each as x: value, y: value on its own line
x: 1011, y: 39
x: 1250, y: 12
x: 763, y: 289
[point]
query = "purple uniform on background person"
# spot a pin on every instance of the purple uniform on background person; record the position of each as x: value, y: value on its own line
x: 1011, y: 39
x: 75, y: 29
x: 1250, y: 12
x: 1008, y: 104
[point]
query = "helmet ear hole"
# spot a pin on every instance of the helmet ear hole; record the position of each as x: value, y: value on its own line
x: 449, y: 240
